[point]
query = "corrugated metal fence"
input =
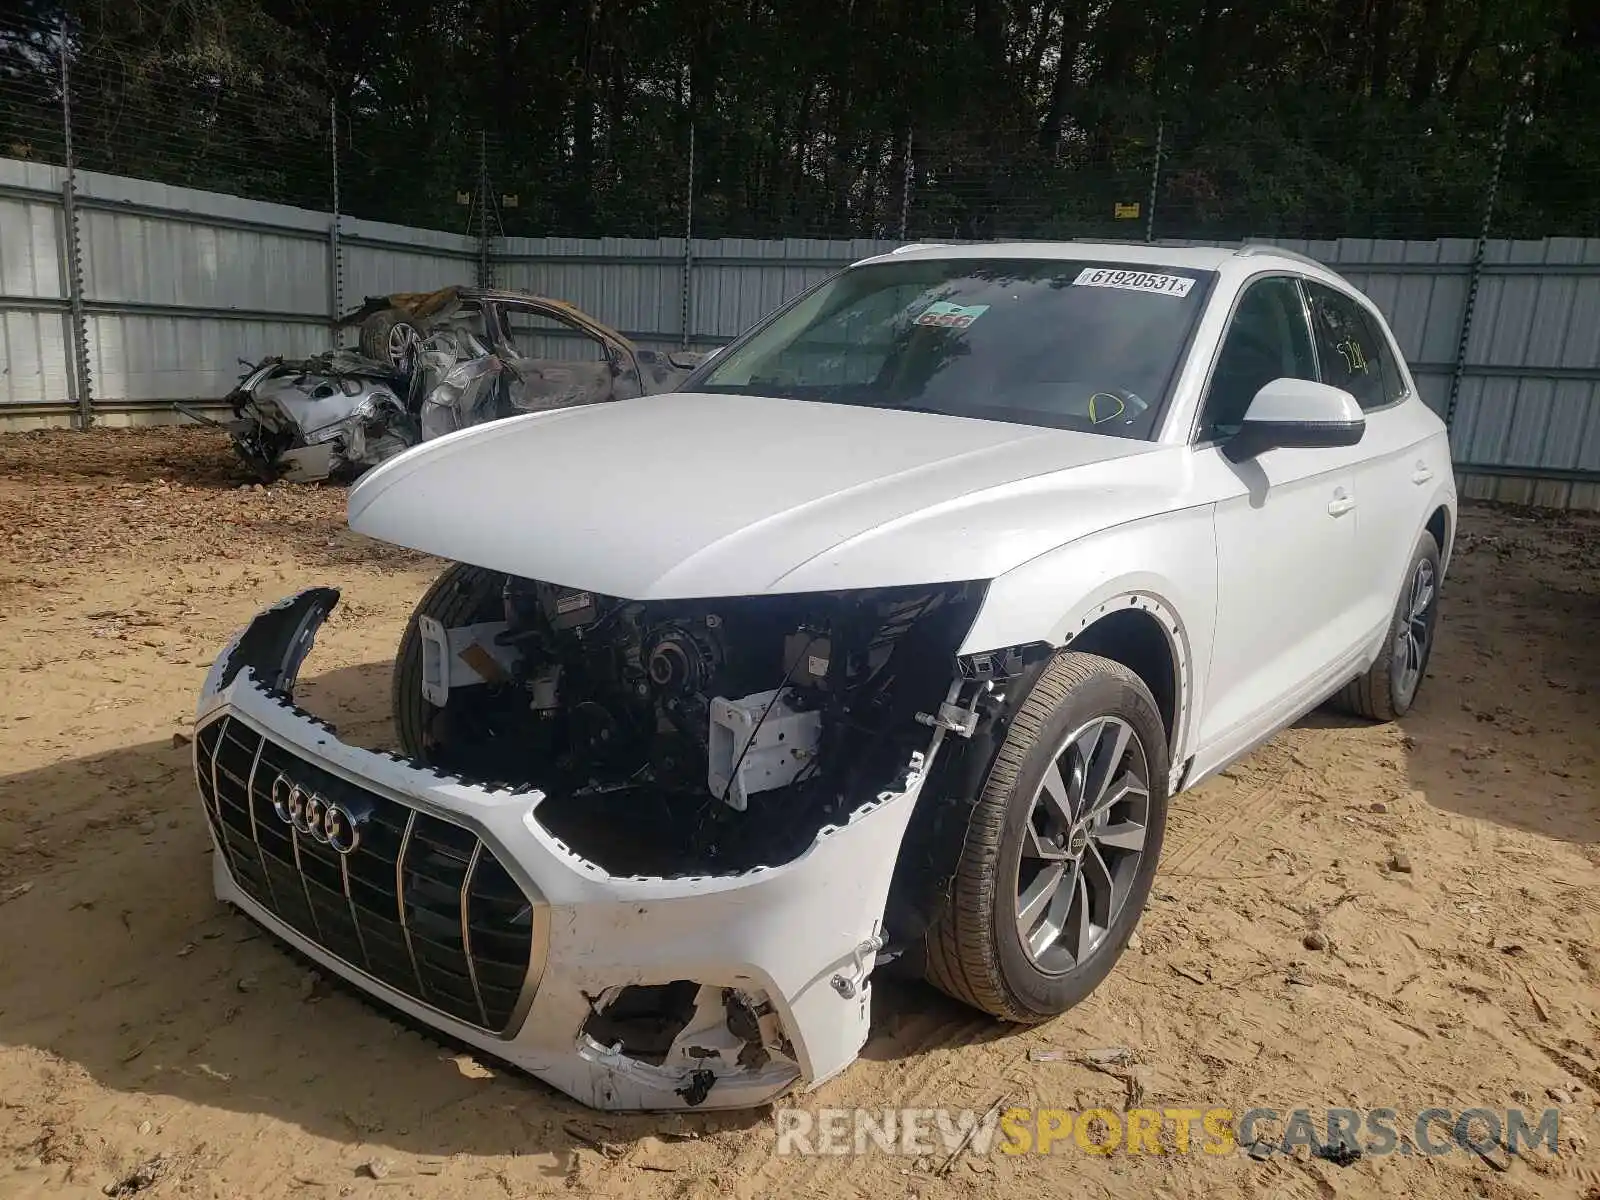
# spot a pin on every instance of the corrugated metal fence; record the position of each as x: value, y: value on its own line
x: 177, y: 285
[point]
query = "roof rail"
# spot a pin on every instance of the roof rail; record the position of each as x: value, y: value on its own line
x: 1252, y: 248
x: 918, y: 246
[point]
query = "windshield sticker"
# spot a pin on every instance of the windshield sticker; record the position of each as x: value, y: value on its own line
x: 951, y: 316
x: 1134, y: 281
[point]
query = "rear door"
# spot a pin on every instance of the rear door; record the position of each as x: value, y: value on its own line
x: 1394, y: 479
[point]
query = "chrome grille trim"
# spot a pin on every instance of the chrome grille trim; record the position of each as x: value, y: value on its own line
x: 250, y: 791
x: 305, y: 883
x: 216, y: 797
x: 400, y: 900
x: 458, y: 933
x: 466, y: 929
x: 355, y: 918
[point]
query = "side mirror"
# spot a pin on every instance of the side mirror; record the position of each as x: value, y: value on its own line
x: 1298, y: 414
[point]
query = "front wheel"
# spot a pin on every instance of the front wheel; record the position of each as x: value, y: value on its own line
x: 1062, y: 846
x: 1387, y: 691
x: 462, y: 595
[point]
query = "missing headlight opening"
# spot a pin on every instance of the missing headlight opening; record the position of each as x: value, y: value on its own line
x: 681, y: 738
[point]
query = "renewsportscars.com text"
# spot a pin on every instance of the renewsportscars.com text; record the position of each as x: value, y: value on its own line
x: 1169, y: 1130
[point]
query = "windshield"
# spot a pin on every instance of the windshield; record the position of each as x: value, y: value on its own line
x: 1066, y: 344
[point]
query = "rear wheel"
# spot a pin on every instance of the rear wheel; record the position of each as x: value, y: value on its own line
x: 1389, y: 688
x: 1062, y: 846
x: 391, y: 337
x: 462, y: 595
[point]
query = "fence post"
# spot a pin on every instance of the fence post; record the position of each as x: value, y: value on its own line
x: 685, y: 294
x: 335, y: 249
x: 485, y: 268
x: 1476, y: 276
x: 1155, y: 184
x: 78, y: 354
x: 905, y: 190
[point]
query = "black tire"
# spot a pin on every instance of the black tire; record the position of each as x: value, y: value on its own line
x: 1383, y: 693
x: 974, y: 950
x: 381, y: 341
x: 461, y: 595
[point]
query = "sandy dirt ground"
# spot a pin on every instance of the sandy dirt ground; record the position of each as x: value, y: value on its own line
x: 152, y: 1042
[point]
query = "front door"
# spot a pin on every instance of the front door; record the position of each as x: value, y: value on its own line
x: 1285, y: 536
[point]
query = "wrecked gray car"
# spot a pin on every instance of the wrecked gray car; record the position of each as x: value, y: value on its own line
x: 428, y: 364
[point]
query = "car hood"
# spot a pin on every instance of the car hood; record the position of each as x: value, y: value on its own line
x: 695, y: 495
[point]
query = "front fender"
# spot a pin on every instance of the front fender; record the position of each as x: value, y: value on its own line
x: 1165, y: 565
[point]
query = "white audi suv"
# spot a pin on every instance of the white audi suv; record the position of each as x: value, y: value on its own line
x: 887, y: 639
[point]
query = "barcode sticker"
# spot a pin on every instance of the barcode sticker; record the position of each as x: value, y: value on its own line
x: 1134, y: 281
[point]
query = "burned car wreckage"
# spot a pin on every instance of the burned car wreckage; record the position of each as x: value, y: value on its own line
x: 427, y: 364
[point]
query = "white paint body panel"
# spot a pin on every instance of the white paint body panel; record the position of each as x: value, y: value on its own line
x: 1273, y: 580
x: 688, y: 495
x: 784, y: 930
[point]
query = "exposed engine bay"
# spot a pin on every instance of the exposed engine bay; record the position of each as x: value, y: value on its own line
x: 686, y: 737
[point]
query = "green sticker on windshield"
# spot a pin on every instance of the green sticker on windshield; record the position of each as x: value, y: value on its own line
x: 951, y: 316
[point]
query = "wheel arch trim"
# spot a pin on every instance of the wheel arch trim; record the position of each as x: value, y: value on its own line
x: 1145, y: 594
x: 1162, y: 614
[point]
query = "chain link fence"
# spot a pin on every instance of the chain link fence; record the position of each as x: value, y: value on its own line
x: 1122, y: 166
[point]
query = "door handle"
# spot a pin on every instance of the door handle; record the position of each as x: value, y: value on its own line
x: 1421, y: 475
x: 1341, y: 503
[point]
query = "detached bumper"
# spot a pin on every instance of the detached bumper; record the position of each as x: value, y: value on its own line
x: 453, y: 904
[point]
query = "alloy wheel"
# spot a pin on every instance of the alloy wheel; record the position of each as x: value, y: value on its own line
x: 1083, y: 844
x: 1415, y: 631
x: 403, y: 342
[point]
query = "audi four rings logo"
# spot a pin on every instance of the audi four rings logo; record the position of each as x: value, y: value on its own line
x: 317, y: 817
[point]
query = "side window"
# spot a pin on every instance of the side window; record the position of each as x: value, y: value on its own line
x: 1267, y: 340
x: 1355, y: 356
x: 535, y: 335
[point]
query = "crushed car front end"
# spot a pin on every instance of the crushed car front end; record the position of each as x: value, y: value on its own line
x: 500, y: 914
x: 328, y: 417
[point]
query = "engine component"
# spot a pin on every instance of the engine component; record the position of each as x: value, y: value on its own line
x: 758, y: 743
x: 674, y: 759
x: 683, y: 659
x: 545, y: 689
x: 566, y: 609
x: 597, y: 735
x: 460, y: 657
x: 806, y: 657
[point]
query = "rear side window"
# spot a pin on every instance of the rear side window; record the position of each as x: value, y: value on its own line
x: 1353, y: 352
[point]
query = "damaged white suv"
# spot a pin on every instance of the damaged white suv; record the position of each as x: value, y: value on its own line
x: 890, y: 636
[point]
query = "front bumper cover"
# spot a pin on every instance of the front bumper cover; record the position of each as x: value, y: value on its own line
x: 794, y: 942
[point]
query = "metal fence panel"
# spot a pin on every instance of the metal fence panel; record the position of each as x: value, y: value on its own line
x: 33, y: 330
x: 635, y: 285
x: 172, y: 260
x: 145, y: 359
x: 380, y: 259
x: 36, y: 354
x: 30, y: 248
x: 180, y: 283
